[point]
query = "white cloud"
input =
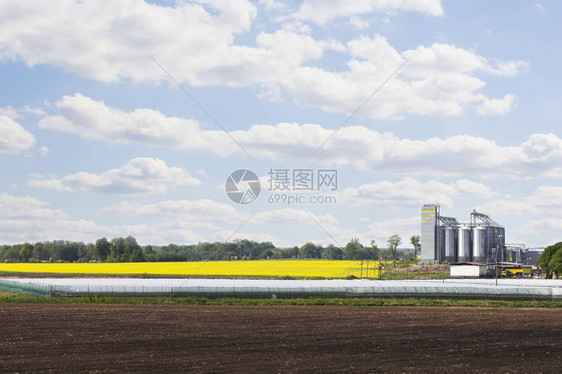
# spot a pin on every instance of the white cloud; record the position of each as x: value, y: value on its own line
x: 30, y: 219
x: 9, y: 112
x: 36, y: 111
x: 94, y: 120
x: 34, y: 230
x: 545, y: 200
x: 552, y: 225
x: 44, y: 151
x: 139, y: 175
x: 409, y: 192
x: 196, y: 43
x: 14, y: 138
x: 185, y: 210
x: 357, y: 146
x: 497, y: 106
x: 359, y: 23
x: 212, y: 217
x: 296, y: 217
x: 437, y: 81
x: 320, y: 12
x: 272, y: 4
x: 27, y: 207
x: 195, y: 40
x: 382, y: 230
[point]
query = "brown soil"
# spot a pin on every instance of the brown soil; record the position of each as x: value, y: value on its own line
x: 221, y: 339
x: 437, y: 268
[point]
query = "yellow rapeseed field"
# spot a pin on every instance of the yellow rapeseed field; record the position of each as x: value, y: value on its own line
x: 293, y: 268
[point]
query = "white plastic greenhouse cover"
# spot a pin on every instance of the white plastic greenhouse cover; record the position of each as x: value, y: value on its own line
x: 481, y: 288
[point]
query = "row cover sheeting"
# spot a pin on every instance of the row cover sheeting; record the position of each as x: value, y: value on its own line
x: 25, y: 288
x: 527, y: 289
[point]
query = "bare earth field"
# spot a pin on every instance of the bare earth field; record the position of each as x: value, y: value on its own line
x: 219, y: 339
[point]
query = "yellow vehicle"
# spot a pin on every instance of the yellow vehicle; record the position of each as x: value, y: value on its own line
x: 516, y: 272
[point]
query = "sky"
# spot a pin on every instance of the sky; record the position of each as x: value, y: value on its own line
x: 290, y: 122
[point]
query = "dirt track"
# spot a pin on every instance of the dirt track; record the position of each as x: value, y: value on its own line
x: 221, y: 339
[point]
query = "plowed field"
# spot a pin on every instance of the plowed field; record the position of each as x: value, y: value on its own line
x: 222, y: 339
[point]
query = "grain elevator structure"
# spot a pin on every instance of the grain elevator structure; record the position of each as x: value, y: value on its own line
x: 445, y: 240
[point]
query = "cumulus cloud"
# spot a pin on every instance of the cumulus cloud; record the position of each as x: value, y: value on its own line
x: 359, y: 23
x: 35, y: 111
x: 214, y: 216
x: 545, y: 200
x: 553, y: 225
x: 27, y: 207
x: 382, y: 230
x: 291, y: 216
x: 439, y: 80
x: 204, y: 210
x: 30, y: 219
x: 272, y: 4
x: 44, y: 151
x: 357, y: 146
x: 14, y: 138
x: 496, y: 106
x: 409, y: 192
x: 10, y: 112
x: 139, y: 175
x: 319, y: 12
x: 196, y: 42
x: 35, y: 230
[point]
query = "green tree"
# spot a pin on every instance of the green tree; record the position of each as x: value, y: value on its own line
x: 393, y: 242
x: 353, y: 247
x: 309, y: 250
x: 102, y: 249
x: 374, y: 250
x: 331, y: 252
x: 132, y: 250
x: 117, y: 252
x: 555, y: 263
x: 26, y: 252
x: 415, y: 240
x: 546, y: 256
x: 12, y: 253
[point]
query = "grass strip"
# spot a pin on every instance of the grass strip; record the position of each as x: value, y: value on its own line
x: 351, y: 302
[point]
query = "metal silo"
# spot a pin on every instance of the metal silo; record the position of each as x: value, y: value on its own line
x: 463, y: 254
x: 449, y: 244
x: 478, y: 242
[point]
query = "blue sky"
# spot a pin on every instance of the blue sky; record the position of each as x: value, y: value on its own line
x: 97, y: 140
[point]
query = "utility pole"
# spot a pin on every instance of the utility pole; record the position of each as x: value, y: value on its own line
x: 361, y: 268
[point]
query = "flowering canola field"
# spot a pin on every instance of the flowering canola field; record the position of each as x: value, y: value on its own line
x: 293, y: 268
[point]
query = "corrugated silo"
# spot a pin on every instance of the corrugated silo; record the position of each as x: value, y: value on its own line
x: 463, y: 254
x: 449, y: 244
x: 478, y: 244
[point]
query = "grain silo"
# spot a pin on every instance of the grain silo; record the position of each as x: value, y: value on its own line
x: 443, y: 239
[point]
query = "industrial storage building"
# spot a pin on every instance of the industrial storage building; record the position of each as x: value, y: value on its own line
x: 525, y: 256
x: 445, y: 240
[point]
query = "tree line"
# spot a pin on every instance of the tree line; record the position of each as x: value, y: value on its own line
x: 551, y: 261
x: 128, y: 250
